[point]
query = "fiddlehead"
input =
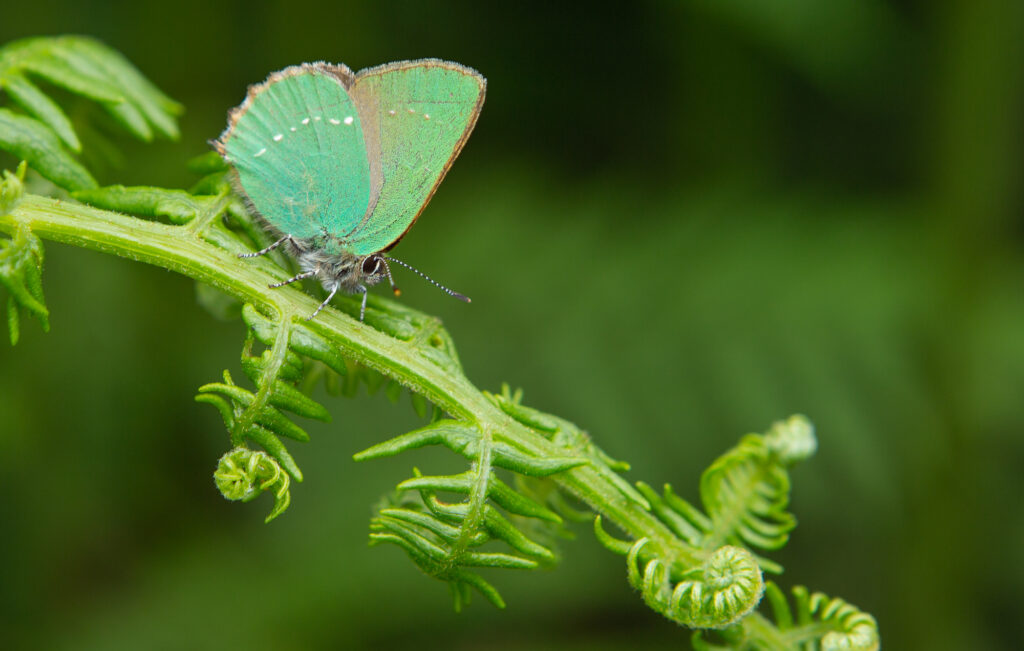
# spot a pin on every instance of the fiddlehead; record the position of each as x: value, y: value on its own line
x: 243, y: 474
x: 745, y: 493
x: 721, y: 590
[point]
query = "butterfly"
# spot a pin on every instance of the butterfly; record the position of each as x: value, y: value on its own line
x: 340, y: 165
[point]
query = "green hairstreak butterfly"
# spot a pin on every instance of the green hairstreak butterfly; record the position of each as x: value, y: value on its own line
x: 341, y: 164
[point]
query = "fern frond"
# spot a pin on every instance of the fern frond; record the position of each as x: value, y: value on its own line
x: 31, y: 140
x: 259, y: 416
x: 467, y: 441
x: 169, y: 206
x: 42, y: 133
x: 284, y: 394
x: 442, y: 538
x: 851, y: 628
x: 820, y: 622
x: 745, y: 493
x: 21, y: 263
x: 568, y: 436
x: 711, y: 580
x: 267, y: 417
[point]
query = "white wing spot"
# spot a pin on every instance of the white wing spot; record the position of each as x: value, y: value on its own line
x: 426, y: 116
x: 412, y: 111
x: 349, y: 120
x: 260, y: 153
x: 278, y: 138
x: 333, y: 121
x: 293, y: 129
x: 391, y: 112
x: 305, y: 120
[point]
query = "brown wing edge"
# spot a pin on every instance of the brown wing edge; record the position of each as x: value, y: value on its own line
x: 440, y: 63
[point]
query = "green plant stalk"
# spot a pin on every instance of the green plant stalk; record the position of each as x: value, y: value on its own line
x: 181, y: 248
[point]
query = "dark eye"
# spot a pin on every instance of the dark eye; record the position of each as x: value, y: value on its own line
x: 371, y: 265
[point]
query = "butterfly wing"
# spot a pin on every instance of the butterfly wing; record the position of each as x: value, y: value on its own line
x: 416, y: 117
x: 297, y: 145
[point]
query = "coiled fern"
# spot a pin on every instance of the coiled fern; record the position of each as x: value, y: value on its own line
x: 700, y: 568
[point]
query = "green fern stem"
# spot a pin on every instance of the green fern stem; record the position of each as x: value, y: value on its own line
x: 185, y: 250
x: 276, y: 361
x: 477, y: 503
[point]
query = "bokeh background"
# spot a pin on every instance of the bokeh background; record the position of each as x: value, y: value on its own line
x: 679, y: 222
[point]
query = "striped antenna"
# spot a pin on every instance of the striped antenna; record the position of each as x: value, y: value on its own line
x: 424, y: 276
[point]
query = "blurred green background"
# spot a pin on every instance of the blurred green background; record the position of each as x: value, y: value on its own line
x: 678, y: 222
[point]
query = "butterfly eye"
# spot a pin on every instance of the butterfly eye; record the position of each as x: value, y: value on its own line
x: 371, y: 265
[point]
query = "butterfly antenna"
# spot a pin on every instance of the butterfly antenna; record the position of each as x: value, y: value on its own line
x: 424, y: 276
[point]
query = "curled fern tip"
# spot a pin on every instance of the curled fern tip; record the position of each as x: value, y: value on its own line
x: 792, y: 440
x: 242, y: 474
x: 730, y: 586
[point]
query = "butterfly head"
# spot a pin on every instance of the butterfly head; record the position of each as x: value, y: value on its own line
x: 351, y: 273
x: 374, y: 268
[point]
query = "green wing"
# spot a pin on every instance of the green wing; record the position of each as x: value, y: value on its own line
x: 297, y: 144
x: 416, y: 117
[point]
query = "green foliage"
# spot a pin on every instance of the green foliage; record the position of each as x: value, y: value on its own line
x: 745, y: 493
x: 528, y: 472
x: 717, y: 580
x: 21, y: 263
x: 442, y: 538
x: 829, y: 624
x: 31, y: 140
x: 42, y: 133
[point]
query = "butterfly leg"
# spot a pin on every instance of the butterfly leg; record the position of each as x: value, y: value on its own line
x: 362, y: 310
x: 334, y: 290
x: 293, y: 279
x: 256, y: 254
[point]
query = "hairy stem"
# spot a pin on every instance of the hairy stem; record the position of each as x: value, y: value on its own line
x: 278, y: 351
